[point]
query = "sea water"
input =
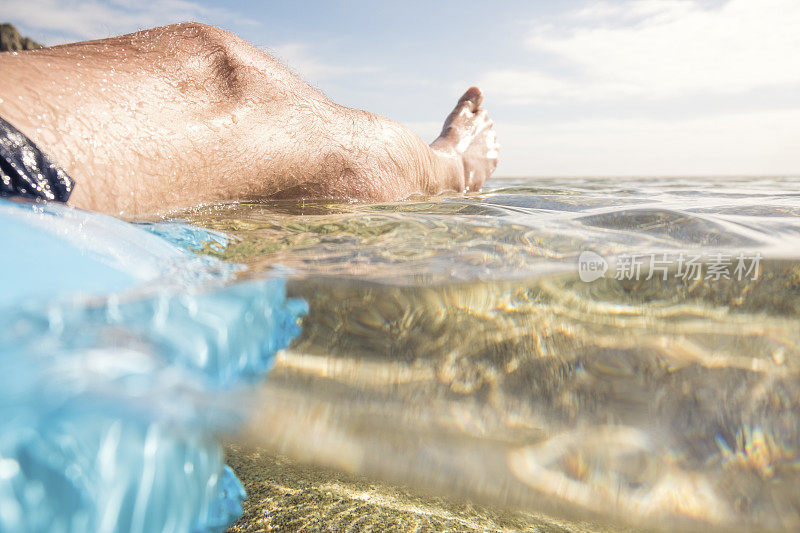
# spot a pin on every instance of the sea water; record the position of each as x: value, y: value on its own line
x: 124, y: 356
x: 621, y: 349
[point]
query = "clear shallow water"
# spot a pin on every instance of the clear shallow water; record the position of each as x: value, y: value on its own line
x: 452, y: 345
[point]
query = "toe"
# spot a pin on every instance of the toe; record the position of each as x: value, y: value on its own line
x: 482, y: 121
x: 473, y: 98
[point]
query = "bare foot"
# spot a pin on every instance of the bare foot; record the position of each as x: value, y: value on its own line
x: 468, y: 136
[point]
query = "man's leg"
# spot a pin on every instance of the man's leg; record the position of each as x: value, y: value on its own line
x: 186, y: 114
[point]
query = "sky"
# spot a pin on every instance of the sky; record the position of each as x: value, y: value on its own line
x: 576, y: 87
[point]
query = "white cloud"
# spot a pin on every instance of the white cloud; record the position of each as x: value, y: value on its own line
x: 634, y: 11
x: 658, y: 49
x: 762, y: 142
x: 427, y: 131
x: 300, y: 58
x: 522, y: 87
x: 58, y: 21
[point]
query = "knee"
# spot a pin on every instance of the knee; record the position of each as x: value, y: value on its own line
x: 210, y: 59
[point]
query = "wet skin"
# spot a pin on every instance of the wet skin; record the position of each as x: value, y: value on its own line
x: 186, y: 114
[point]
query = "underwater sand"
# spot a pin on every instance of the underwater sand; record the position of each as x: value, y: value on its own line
x: 285, y: 495
x: 451, y: 347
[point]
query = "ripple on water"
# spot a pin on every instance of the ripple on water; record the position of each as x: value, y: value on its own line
x: 451, y: 345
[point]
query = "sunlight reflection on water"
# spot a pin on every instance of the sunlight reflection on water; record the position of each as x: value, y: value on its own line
x: 451, y: 344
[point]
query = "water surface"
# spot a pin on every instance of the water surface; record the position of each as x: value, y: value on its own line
x: 452, y: 345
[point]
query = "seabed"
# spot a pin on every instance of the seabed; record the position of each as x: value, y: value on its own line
x: 285, y: 495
